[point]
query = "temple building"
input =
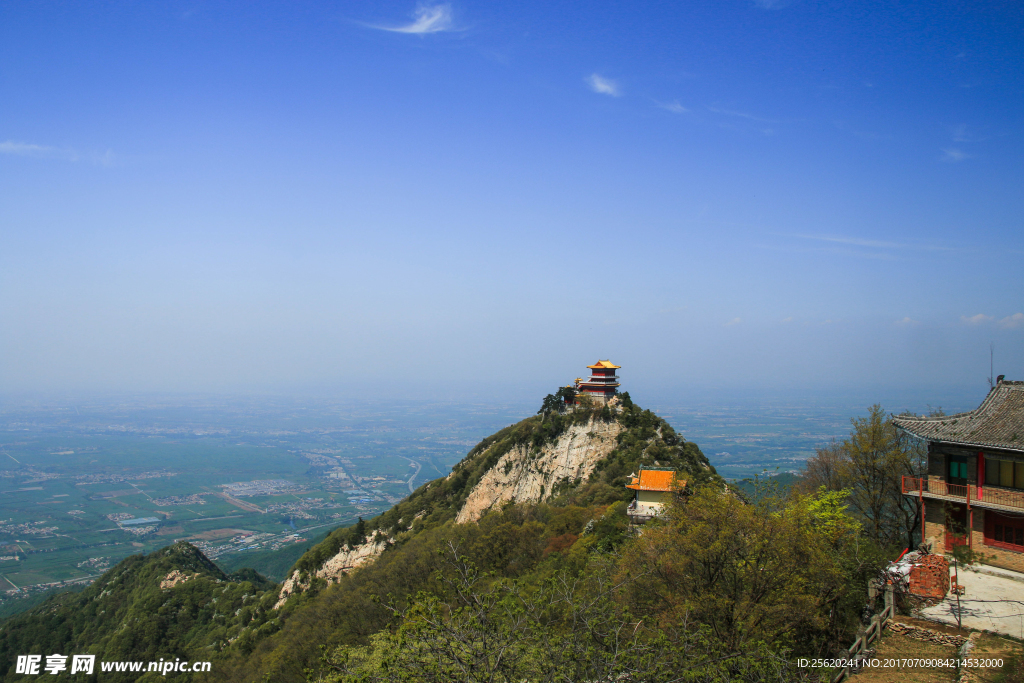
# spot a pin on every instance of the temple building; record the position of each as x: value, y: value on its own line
x: 602, y: 384
x: 973, y: 492
x: 652, y: 487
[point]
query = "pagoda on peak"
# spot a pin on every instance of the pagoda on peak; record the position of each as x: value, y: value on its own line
x: 602, y: 384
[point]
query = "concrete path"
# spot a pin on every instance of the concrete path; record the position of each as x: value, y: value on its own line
x: 992, y: 601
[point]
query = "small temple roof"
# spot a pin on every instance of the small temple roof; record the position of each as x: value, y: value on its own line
x: 997, y: 423
x: 603, y: 364
x: 656, y: 480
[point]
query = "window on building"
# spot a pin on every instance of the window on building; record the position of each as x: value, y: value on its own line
x: 1006, y: 473
x: 991, y: 472
x: 1003, y: 531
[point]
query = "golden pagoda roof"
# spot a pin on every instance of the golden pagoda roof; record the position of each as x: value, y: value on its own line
x: 604, y: 364
x: 656, y: 480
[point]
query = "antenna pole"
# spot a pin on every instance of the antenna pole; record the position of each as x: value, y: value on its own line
x: 991, y: 365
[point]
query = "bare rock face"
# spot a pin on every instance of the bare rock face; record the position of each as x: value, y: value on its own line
x: 334, y: 568
x: 526, y: 475
x: 175, y: 577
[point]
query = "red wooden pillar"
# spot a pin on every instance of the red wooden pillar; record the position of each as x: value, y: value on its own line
x: 970, y: 519
x: 981, y: 474
x: 920, y: 498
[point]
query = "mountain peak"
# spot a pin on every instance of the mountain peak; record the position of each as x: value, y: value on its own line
x: 581, y: 454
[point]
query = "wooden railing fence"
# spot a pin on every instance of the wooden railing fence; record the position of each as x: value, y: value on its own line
x: 871, y: 634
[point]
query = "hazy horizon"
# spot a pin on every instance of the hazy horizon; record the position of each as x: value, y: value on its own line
x: 518, y: 405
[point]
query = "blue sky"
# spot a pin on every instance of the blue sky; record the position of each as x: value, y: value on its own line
x: 475, y: 199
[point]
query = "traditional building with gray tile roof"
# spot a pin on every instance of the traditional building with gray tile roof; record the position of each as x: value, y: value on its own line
x: 973, y: 492
x: 997, y: 423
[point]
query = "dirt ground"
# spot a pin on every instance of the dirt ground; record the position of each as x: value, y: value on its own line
x: 986, y: 646
x: 895, y: 646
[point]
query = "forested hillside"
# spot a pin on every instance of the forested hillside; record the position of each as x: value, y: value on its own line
x: 171, y: 603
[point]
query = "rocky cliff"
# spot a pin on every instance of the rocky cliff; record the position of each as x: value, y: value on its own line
x: 345, y: 560
x: 527, y: 474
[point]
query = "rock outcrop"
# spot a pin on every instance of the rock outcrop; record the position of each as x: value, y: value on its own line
x: 175, y: 577
x: 528, y: 475
x: 334, y: 568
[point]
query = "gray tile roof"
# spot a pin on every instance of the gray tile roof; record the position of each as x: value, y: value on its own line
x: 997, y: 423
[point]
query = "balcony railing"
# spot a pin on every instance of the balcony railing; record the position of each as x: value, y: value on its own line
x: 975, y: 495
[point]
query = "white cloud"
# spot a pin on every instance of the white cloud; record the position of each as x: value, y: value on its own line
x: 1010, y: 321
x: 954, y: 155
x: 26, y: 149
x: 975, y: 319
x: 603, y: 86
x: 788, y: 320
x: 428, y: 19
x: 673, y: 107
x: 734, y: 321
x: 907, y: 322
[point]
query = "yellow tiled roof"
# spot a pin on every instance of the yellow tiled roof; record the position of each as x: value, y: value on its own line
x: 603, y: 364
x: 656, y: 480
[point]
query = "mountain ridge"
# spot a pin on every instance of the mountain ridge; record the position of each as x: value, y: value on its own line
x: 521, y: 463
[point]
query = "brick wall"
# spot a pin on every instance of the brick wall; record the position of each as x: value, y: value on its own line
x: 997, y: 557
x: 934, y: 525
x: 930, y: 577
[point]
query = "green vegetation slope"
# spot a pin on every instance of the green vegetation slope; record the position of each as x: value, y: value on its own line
x: 133, y: 612
x: 645, y: 439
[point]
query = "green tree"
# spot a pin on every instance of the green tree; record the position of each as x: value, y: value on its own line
x: 564, y: 628
x: 557, y: 402
x: 871, y: 464
x: 790, y: 573
x: 358, y: 533
x: 551, y: 404
x: 566, y: 395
